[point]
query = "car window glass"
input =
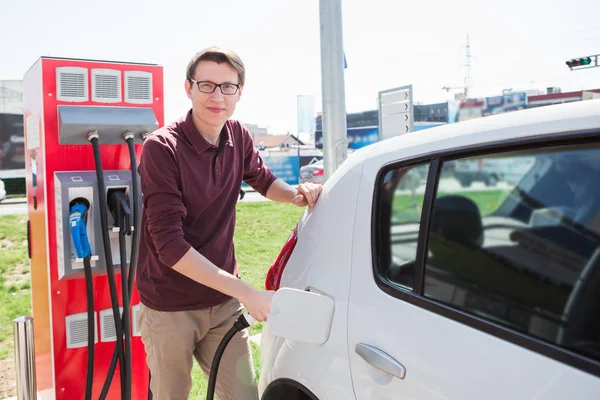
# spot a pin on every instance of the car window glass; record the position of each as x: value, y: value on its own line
x: 399, y: 214
x: 514, y: 239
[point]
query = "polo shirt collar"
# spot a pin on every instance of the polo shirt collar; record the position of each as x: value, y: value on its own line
x: 197, y: 140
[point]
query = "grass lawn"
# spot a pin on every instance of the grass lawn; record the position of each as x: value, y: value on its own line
x: 261, y: 230
x: 14, y: 278
x: 488, y: 201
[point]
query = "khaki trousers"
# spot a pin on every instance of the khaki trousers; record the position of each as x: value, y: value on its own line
x: 171, y: 338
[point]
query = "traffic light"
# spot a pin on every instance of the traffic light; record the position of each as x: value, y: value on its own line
x: 579, y: 62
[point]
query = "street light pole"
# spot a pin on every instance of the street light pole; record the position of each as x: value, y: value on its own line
x: 335, y: 142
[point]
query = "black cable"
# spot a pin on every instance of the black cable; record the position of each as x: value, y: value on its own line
x: 89, y: 289
x: 137, y: 225
x: 78, y: 210
x: 109, y: 375
x: 126, y: 317
x: 149, y: 391
x: 118, y: 205
x: 108, y: 256
x: 240, y: 324
x: 133, y: 263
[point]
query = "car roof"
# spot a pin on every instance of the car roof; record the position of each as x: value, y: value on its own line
x: 569, y: 117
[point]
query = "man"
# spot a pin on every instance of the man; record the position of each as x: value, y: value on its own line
x: 190, y: 290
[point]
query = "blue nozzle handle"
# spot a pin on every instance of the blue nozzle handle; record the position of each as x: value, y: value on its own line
x: 77, y: 217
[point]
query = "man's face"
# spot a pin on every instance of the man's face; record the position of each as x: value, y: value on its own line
x: 213, y: 109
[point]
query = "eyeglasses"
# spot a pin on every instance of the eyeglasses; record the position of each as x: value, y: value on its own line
x: 209, y: 87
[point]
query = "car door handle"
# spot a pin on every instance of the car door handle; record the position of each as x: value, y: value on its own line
x: 380, y: 360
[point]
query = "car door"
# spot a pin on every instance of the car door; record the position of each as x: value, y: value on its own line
x: 480, y: 292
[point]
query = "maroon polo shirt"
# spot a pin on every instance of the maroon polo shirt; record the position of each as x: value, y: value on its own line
x: 190, y: 189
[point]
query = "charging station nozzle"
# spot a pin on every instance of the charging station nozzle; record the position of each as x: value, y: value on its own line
x: 118, y: 204
x: 78, y: 209
x: 244, y: 321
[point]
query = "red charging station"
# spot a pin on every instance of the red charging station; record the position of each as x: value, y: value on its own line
x: 70, y: 106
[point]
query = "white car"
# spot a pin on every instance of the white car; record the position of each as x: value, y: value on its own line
x: 312, y: 172
x: 2, y: 190
x: 448, y: 292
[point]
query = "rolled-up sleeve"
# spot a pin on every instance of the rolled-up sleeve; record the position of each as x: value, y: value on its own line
x: 162, y: 197
x: 256, y: 173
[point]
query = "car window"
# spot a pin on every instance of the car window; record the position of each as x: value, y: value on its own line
x: 399, y: 211
x: 514, y: 239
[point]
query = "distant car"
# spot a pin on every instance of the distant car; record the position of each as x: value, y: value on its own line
x: 490, y: 171
x: 2, y: 190
x: 443, y: 291
x: 312, y: 172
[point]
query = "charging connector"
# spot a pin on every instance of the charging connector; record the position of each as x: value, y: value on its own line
x: 118, y: 204
x: 78, y: 211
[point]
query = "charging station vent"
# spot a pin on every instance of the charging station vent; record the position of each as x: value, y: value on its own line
x: 72, y: 84
x: 135, y: 320
x: 106, y: 85
x: 138, y: 87
x: 108, y: 333
x: 77, y: 332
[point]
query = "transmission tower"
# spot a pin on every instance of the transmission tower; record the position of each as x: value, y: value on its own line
x: 467, y: 66
x: 468, y: 57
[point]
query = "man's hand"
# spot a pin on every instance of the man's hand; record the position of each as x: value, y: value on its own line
x: 307, y: 194
x: 258, y: 303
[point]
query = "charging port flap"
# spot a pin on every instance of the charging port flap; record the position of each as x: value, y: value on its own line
x: 300, y: 315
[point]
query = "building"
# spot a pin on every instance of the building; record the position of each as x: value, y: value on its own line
x: 256, y: 130
x: 556, y: 97
x: 12, y: 140
x: 363, y: 127
x: 437, y: 112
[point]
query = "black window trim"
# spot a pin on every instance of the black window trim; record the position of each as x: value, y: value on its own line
x: 428, y: 199
x: 415, y: 296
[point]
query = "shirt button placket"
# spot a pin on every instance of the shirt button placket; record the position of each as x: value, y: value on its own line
x: 218, y: 173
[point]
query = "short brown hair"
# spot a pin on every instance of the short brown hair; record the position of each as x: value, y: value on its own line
x: 218, y: 55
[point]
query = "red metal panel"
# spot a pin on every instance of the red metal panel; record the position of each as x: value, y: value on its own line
x: 69, y: 296
x: 33, y: 118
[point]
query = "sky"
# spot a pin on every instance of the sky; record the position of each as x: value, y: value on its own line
x: 517, y: 44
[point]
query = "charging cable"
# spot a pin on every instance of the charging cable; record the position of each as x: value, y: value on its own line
x: 94, y: 137
x: 77, y: 221
x: 118, y: 204
x: 243, y: 322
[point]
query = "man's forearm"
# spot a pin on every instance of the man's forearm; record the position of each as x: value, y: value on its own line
x: 197, y: 267
x: 281, y: 192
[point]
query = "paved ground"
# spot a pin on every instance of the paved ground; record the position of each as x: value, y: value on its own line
x: 252, y: 196
x: 19, y: 205
x: 13, y: 206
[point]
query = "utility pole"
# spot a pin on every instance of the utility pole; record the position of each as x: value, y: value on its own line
x: 335, y: 141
